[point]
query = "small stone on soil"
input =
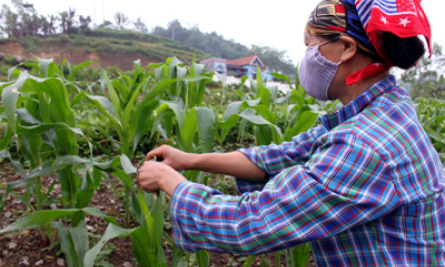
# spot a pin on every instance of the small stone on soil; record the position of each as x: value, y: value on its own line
x: 12, y: 245
x: 8, y: 214
x: 40, y: 262
x: 60, y: 262
x: 25, y: 261
x: 127, y: 264
x: 16, y: 202
x: 53, y: 206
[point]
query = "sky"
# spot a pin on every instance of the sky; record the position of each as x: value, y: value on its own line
x: 276, y: 23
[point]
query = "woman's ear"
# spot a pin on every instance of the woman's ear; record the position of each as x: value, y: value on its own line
x: 349, y: 48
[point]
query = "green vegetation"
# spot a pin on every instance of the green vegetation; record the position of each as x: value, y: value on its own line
x: 55, y: 125
x: 218, y: 46
x: 84, y: 131
x: 24, y: 21
x: 111, y: 42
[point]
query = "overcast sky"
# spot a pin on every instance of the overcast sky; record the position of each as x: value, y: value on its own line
x: 274, y: 23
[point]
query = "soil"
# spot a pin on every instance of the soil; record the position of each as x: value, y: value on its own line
x: 25, y: 248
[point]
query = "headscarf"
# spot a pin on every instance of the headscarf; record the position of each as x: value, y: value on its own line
x: 365, y: 21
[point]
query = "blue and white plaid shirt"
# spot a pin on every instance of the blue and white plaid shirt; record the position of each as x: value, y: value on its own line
x: 366, y: 188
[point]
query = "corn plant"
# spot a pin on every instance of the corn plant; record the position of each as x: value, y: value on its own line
x: 39, y: 114
x: 185, y: 112
x: 430, y: 113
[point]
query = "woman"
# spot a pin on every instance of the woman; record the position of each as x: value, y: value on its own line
x: 366, y: 187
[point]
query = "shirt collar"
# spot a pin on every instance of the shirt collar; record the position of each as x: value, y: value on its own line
x: 344, y: 113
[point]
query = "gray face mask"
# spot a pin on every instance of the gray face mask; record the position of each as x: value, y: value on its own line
x: 316, y: 73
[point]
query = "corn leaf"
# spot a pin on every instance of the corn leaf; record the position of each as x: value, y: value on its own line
x: 41, y: 217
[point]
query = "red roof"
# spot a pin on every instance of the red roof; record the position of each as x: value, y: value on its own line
x: 243, y: 61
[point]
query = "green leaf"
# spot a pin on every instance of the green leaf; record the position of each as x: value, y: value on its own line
x: 203, y: 258
x: 5, y: 141
x: 304, y: 123
x: 435, y: 135
x: 132, y: 103
x: 177, y: 258
x: 42, y: 128
x: 141, y: 126
x: 41, y: 217
x: 160, y: 112
x: 63, y: 161
x: 158, y: 219
x: 113, y: 94
x: 227, y: 125
x: 44, y: 66
x: 231, y: 109
x: 79, y: 67
x: 124, y: 177
x: 147, y: 219
x: 10, y: 95
x: 67, y: 245
x: 179, y: 112
x: 249, y: 261
x: 282, y: 77
x: 250, y: 115
x: 84, y: 197
x: 127, y: 165
x: 206, y: 120
x: 140, y: 245
x: 188, y: 131
x: 79, y: 235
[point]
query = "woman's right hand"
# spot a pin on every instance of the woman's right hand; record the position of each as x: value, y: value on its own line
x: 170, y: 156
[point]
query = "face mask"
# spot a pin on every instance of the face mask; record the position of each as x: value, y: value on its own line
x: 316, y: 73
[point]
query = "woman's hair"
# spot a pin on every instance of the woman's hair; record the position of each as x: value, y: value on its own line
x: 403, y: 52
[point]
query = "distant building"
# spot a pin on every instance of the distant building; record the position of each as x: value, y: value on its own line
x: 246, y: 66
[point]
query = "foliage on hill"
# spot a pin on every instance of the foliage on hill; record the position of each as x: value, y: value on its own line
x: 111, y: 42
x: 218, y: 46
x: 23, y: 20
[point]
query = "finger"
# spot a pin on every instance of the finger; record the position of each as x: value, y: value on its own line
x: 152, y: 154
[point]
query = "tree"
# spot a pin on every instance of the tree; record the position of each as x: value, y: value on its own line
x: 63, y: 21
x: 10, y: 24
x: 84, y: 23
x: 71, y: 21
x: 67, y: 21
x: 427, y: 79
x: 121, y: 20
x: 105, y: 24
x: 52, y: 21
x: 140, y: 26
x: 276, y: 60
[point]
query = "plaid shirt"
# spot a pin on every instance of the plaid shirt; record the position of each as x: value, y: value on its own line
x: 366, y: 188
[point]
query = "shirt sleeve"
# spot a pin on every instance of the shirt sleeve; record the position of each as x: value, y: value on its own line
x: 273, y: 159
x: 344, y: 184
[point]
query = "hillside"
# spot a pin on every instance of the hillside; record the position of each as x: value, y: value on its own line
x: 106, y: 47
x: 218, y: 46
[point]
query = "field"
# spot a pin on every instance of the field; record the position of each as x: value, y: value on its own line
x: 69, y: 148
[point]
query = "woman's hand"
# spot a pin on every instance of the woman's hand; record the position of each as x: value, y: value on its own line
x: 155, y: 176
x: 170, y: 156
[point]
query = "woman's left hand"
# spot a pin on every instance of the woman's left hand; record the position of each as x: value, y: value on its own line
x: 155, y: 176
